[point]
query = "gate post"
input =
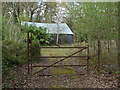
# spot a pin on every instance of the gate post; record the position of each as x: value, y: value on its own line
x: 98, y: 56
x: 28, y: 51
x: 88, y: 60
x: 31, y: 53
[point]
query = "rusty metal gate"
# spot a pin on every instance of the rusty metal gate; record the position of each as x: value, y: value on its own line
x: 30, y: 66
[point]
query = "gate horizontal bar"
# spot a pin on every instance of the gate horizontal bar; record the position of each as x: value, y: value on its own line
x: 45, y: 75
x: 57, y: 65
x: 63, y: 56
x: 63, y: 47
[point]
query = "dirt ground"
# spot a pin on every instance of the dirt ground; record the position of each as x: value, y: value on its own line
x: 64, y: 77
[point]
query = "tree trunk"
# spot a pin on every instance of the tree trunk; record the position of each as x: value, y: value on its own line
x: 31, y: 16
x: 57, y: 34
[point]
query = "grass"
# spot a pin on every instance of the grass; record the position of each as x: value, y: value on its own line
x: 38, y: 68
x: 62, y: 71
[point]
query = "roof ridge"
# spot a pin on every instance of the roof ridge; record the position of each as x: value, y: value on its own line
x: 44, y: 23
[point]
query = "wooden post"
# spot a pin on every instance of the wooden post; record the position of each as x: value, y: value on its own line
x: 28, y: 53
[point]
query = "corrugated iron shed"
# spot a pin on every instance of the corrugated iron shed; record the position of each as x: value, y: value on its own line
x: 52, y: 27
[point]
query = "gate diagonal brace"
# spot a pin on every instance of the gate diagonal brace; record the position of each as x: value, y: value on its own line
x: 59, y: 61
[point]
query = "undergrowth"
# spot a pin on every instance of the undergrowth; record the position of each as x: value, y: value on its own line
x: 13, y: 53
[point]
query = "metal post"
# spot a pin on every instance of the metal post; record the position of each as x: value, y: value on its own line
x: 98, y: 56
x: 31, y: 52
x: 28, y: 53
x: 88, y: 61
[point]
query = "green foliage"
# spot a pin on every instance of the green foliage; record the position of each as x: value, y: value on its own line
x: 97, y: 20
x: 13, y: 53
x: 5, y: 32
x: 36, y: 52
x: 10, y: 31
x: 38, y: 30
x: 117, y: 72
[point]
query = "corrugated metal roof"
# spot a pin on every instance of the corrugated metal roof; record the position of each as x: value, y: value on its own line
x: 52, y: 27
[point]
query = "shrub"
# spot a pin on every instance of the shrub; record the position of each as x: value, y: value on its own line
x: 36, y: 51
x: 38, y: 30
x: 13, y: 53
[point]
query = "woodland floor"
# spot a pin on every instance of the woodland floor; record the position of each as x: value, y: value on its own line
x: 63, y: 77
